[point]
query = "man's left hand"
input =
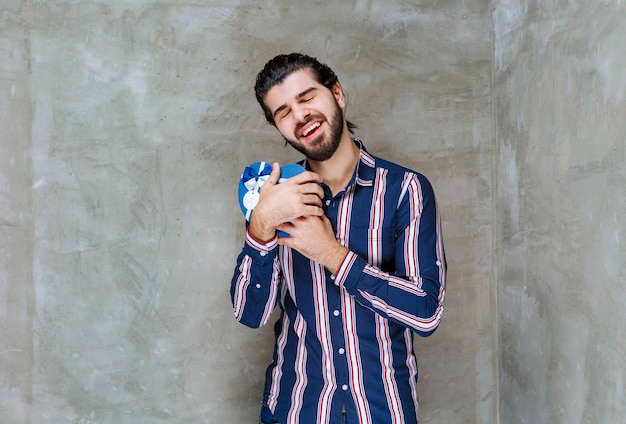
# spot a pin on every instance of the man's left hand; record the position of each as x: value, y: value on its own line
x: 313, y: 236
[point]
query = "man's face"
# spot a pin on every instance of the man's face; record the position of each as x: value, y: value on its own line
x: 307, y: 114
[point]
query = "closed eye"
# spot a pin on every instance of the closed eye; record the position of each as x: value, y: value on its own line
x: 303, y: 97
x: 307, y: 94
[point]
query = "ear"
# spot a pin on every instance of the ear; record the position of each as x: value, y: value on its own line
x: 338, y: 93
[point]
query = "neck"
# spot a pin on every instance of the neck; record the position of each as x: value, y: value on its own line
x: 338, y: 170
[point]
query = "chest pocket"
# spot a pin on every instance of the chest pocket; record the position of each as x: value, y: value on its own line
x: 375, y: 245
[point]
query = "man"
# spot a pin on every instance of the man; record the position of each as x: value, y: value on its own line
x: 362, y: 270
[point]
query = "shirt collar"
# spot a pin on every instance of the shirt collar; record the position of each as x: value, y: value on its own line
x: 364, y: 172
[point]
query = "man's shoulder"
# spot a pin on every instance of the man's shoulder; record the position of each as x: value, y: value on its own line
x: 393, y: 167
x: 401, y: 174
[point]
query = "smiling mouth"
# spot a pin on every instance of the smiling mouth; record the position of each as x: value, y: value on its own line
x: 311, y: 129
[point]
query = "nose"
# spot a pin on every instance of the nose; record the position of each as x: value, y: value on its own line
x: 300, y: 113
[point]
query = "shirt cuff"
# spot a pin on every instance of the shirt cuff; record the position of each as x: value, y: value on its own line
x: 263, y: 248
x: 351, y: 265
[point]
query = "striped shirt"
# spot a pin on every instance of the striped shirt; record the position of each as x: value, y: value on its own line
x: 344, y: 342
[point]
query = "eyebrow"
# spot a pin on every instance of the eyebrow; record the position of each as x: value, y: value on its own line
x: 298, y: 96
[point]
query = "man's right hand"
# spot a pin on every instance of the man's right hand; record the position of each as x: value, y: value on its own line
x: 297, y: 196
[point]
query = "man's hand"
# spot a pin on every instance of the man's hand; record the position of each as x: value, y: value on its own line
x: 313, y: 236
x: 296, y: 197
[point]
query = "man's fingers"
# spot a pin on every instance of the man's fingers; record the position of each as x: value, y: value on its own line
x: 275, y: 175
x: 306, y: 177
x: 307, y: 183
x: 313, y: 200
x: 316, y: 190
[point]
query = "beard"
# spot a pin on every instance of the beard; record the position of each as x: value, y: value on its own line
x: 322, y: 148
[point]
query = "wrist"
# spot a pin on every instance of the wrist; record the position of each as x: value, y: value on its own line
x: 261, y: 233
x: 336, y: 258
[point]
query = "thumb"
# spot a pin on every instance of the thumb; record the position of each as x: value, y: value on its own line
x: 275, y: 175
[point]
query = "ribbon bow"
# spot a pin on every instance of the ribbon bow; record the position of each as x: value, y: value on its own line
x: 252, y: 179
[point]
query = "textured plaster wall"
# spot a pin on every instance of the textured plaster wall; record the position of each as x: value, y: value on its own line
x: 125, y: 127
x: 560, y: 93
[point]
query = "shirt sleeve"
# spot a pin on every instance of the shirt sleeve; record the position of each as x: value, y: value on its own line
x: 414, y: 294
x: 254, y: 286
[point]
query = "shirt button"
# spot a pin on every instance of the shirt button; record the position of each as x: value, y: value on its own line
x: 342, y: 351
x: 344, y: 387
x: 438, y: 263
x: 336, y: 313
x: 263, y: 253
x: 327, y: 202
x: 258, y: 286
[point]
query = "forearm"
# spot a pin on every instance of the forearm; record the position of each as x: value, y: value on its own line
x: 414, y: 302
x: 333, y: 256
x: 254, y: 285
x: 260, y: 228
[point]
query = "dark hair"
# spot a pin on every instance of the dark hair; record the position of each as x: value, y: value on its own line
x: 280, y: 67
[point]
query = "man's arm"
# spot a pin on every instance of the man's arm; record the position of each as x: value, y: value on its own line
x: 413, y: 296
x: 255, y: 282
x: 256, y: 278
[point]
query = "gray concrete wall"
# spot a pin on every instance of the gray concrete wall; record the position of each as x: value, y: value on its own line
x: 125, y: 127
x: 560, y: 88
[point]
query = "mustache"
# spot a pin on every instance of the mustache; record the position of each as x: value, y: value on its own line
x: 310, y: 118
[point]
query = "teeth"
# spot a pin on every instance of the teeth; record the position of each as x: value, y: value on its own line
x: 311, y: 129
